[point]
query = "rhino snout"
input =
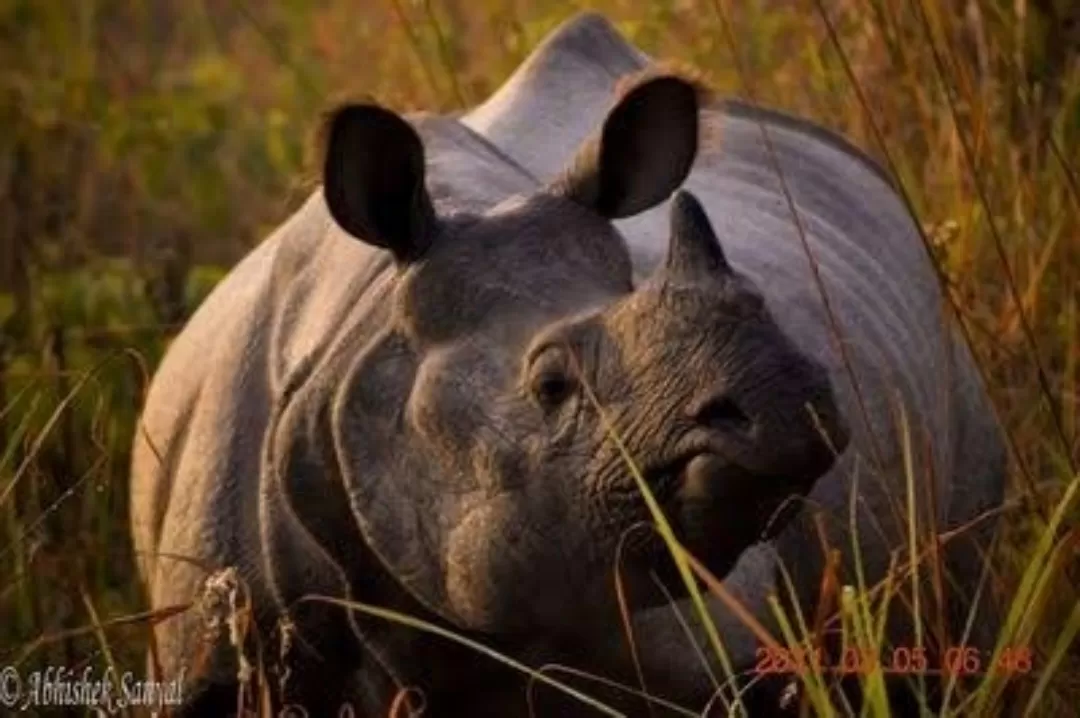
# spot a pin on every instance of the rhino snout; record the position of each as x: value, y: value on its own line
x: 800, y: 439
x: 743, y: 477
x: 797, y: 443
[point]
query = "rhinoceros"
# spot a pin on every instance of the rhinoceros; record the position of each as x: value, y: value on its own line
x: 439, y: 386
x: 824, y: 232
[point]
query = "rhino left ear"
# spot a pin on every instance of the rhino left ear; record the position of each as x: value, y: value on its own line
x: 643, y: 152
x: 373, y: 179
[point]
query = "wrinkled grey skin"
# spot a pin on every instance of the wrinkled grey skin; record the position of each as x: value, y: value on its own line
x: 907, y: 361
x: 405, y: 397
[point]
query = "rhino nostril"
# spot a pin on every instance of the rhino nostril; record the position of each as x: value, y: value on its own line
x: 722, y: 414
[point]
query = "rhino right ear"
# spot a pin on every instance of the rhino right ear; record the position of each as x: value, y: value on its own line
x: 373, y: 179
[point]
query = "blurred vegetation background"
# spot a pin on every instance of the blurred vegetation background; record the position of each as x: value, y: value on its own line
x: 146, y: 145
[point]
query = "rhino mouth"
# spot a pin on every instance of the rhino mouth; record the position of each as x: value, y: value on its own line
x: 718, y: 508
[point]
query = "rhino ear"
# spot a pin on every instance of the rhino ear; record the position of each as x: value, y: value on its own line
x: 643, y: 152
x: 373, y: 179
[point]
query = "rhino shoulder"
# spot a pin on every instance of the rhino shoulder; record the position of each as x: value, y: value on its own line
x: 214, y: 371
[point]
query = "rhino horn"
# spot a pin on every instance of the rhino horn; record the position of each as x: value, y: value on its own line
x: 694, y: 252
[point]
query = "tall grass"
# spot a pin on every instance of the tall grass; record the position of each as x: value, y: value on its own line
x: 148, y: 145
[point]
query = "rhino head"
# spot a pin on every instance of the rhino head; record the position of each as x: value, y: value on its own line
x: 476, y: 433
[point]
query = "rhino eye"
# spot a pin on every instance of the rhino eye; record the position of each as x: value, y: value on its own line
x: 552, y: 388
x: 551, y: 382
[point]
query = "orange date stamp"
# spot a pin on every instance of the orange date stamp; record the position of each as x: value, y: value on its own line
x: 955, y: 660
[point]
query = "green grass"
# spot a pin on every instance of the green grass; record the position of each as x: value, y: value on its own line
x: 139, y: 160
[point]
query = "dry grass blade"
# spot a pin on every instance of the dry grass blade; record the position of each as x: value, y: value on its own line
x: 887, y: 154
x: 444, y: 54
x: 1066, y: 641
x: 414, y: 43
x: 102, y: 639
x: 835, y: 332
x: 39, y: 440
x: 663, y: 527
x: 645, y: 696
x: 716, y: 587
x: 995, y: 234
x: 145, y: 617
x: 427, y: 627
x: 625, y: 612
